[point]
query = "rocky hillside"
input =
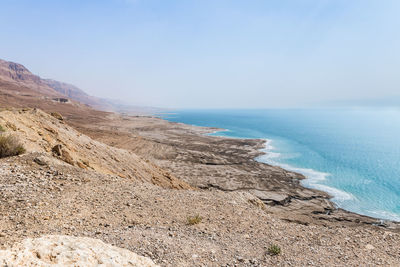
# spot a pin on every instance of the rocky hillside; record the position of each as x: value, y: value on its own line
x: 43, y: 133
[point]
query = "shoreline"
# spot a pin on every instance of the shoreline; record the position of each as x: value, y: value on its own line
x: 228, y: 164
x: 299, y: 170
x: 328, y: 189
x: 264, y: 151
x: 312, y: 183
x: 332, y: 192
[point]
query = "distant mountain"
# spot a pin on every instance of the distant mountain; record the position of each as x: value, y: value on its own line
x: 74, y: 93
x: 15, y: 73
x: 19, y: 82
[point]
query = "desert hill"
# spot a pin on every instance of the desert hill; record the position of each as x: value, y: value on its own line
x: 43, y: 133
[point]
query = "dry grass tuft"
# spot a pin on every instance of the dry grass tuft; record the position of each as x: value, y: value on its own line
x: 192, y: 220
x: 10, y: 146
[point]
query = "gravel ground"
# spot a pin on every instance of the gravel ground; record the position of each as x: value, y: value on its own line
x: 236, y: 228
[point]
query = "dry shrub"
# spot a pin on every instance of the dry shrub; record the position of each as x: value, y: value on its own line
x: 194, y: 220
x: 10, y: 146
x: 274, y: 250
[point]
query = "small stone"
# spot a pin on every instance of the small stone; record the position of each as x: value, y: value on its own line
x: 369, y: 247
x: 40, y: 160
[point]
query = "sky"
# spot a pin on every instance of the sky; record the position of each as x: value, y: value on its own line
x: 211, y: 53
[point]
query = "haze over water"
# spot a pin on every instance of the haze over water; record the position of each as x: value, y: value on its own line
x: 351, y: 153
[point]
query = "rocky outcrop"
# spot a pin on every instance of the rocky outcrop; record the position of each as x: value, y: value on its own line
x: 55, y: 250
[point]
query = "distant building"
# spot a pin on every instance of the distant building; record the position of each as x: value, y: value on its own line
x: 61, y: 100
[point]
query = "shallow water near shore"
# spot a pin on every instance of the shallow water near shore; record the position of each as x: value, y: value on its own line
x: 353, y: 153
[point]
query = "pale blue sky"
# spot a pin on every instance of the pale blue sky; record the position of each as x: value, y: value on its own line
x: 211, y: 54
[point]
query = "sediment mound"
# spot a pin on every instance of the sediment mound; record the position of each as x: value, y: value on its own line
x: 58, y: 250
x: 43, y: 133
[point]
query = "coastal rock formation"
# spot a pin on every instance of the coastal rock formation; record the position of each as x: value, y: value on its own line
x: 70, y: 251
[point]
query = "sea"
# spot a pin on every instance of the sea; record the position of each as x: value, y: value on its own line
x: 351, y: 153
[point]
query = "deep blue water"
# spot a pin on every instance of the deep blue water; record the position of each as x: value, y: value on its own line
x: 353, y: 154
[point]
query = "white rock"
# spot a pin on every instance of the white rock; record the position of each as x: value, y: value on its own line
x: 56, y: 250
x: 369, y: 247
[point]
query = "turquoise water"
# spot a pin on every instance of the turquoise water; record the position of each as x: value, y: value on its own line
x: 353, y: 154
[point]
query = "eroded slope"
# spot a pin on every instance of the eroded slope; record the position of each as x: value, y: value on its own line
x: 41, y: 132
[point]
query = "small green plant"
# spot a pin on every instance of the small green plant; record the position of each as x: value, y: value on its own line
x: 10, y: 146
x: 2, y: 130
x: 274, y: 250
x: 192, y: 220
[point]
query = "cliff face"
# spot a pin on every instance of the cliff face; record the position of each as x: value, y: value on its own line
x: 16, y: 72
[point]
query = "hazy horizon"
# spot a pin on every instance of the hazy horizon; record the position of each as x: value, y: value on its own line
x: 212, y: 54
